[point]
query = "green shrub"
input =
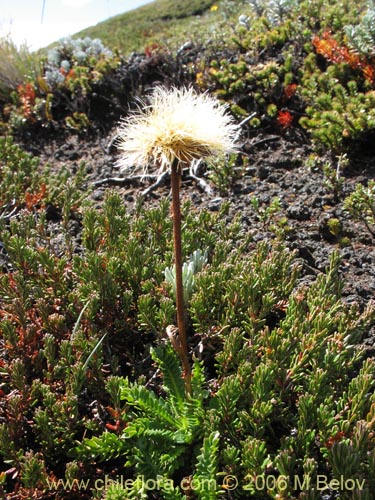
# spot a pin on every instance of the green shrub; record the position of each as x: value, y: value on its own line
x: 339, y: 98
x: 281, y: 384
x: 73, y: 73
x: 292, y: 393
x: 339, y: 114
x: 225, y: 172
x: 68, y: 319
x: 24, y: 184
x: 360, y: 204
x: 18, y: 173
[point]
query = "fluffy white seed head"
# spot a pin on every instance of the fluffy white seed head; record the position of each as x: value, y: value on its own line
x: 177, y: 124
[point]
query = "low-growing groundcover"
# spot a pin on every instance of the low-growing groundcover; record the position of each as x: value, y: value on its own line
x: 282, y: 397
x: 278, y: 271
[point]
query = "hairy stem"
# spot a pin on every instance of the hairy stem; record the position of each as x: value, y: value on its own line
x: 181, y: 324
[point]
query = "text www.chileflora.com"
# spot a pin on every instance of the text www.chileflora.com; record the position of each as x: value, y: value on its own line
x: 227, y: 482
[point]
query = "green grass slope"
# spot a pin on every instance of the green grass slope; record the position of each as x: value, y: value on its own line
x: 159, y: 19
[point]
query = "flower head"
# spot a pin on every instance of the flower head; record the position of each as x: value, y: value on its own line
x: 177, y: 124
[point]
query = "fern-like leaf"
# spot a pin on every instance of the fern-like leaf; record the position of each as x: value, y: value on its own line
x: 151, y: 459
x: 198, y: 383
x: 104, y: 447
x: 207, y: 468
x: 169, y: 364
x: 146, y: 401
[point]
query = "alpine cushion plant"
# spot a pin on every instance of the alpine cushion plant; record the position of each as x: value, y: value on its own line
x: 175, y: 128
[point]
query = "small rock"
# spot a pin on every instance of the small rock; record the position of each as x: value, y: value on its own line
x: 98, y: 194
x: 53, y: 213
x: 346, y: 253
x: 299, y: 212
x: 214, y: 205
x: 263, y: 173
x: 74, y: 227
x: 251, y: 171
x: 273, y: 178
x: 247, y: 189
x: 317, y: 202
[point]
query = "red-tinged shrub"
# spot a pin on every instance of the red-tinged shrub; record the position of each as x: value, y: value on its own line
x: 331, y: 50
x: 290, y: 90
x: 284, y: 119
x: 27, y: 97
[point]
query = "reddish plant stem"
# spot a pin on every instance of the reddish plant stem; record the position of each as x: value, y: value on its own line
x: 181, y: 324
